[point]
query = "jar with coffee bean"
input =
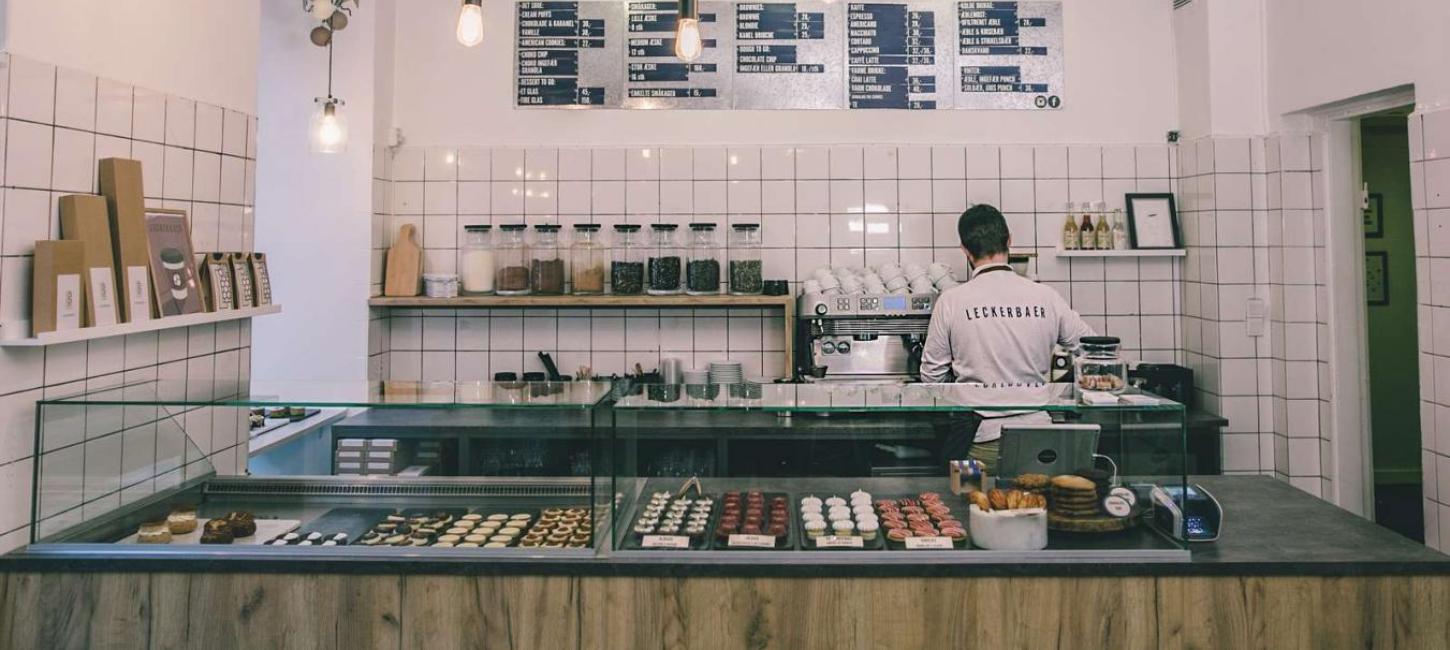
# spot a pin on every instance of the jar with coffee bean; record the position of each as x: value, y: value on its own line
x: 702, y: 273
x: 746, y: 278
x: 547, y: 269
x: 512, y: 261
x: 588, y: 260
x: 664, y: 261
x: 626, y: 271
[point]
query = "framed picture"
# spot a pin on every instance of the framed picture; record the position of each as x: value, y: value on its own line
x: 1153, y: 221
x: 1374, y: 217
x: 1377, y: 278
x: 173, y: 266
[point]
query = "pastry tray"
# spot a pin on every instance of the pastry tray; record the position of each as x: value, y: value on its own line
x: 958, y: 545
x: 634, y: 542
x: 267, y: 529
x: 782, y: 543
x: 808, y: 543
x: 353, y: 521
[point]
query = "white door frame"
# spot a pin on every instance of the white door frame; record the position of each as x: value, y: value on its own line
x: 1348, y: 390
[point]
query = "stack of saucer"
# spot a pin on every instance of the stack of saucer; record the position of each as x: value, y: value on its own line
x: 695, y: 376
x: 726, y: 372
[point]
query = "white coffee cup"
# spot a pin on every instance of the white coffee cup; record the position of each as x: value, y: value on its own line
x: 921, y: 285
x: 822, y: 273
x: 811, y: 286
x: 913, y: 271
x: 830, y: 282
x: 888, y: 270
x: 850, y: 284
x: 875, y: 287
x: 946, y: 283
x: 897, y: 283
x: 937, y: 271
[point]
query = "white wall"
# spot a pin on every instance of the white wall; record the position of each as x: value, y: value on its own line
x: 205, y: 50
x: 313, y: 210
x: 1322, y: 51
x: 1120, y: 89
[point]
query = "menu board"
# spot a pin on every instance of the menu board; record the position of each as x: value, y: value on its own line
x: 809, y: 54
x: 893, y: 56
x: 568, y: 54
x: 1009, y: 55
x: 789, y: 55
x: 657, y: 79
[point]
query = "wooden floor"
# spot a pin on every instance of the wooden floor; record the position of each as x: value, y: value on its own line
x: 359, y: 612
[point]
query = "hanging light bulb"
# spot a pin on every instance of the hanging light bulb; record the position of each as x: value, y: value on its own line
x: 329, y: 127
x: 687, y: 31
x: 470, y: 23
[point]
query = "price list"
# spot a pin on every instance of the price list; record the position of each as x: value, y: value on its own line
x: 1009, y: 55
x: 568, y: 54
x: 656, y: 78
x: 892, y: 56
x: 788, y: 55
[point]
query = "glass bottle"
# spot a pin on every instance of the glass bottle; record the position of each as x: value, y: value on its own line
x: 1086, y: 232
x: 1104, y: 232
x: 664, y: 261
x: 588, y: 260
x: 476, y: 264
x: 702, y: 273
x: 1098, y: 366
x: 626, y: 272
x: 547, y: 270
x: 746, y: 277
x: 1070, y: 237
x: 512, y: 260
x: 1120, y: 232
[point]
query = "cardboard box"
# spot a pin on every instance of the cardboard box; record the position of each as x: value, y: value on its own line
x: 57, y: 300
x: 351, y: 443
x: 261, y: 282
x: 242, y: 281
x: 84, y: 218
x: 216, y: 274
x: 126, y: 205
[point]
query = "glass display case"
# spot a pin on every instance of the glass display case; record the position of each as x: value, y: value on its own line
x: 787, y: 469
x: 437, y: 469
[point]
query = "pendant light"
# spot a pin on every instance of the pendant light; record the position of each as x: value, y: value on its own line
x: 687, y: 31
x: 470, y: 23
x: 329, y: 127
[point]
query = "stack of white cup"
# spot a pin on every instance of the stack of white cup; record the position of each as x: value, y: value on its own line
x: 887, y: 278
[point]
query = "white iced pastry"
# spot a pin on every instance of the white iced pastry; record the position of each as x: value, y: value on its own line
x: 838, y: 513
x: 811, y: 502
x: 815, y: 528
x: 812, y: 516
x: 862, y: 510
x: 868, y: 529
x: 835, y: 501
x: 861, y: 495
x: 843, y: 527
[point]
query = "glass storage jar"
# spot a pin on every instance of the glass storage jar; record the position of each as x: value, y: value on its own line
x: 1098, y: 366
x: 702, y: 273
x: 512, y: 260
x: 547, y: 268
x: 626, y: 271
x: 746, y: 277
x: 664, y: 261
x: 588, y: 260
x: 476, y: 264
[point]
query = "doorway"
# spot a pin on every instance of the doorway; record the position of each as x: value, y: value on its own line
x: 1391, y: 321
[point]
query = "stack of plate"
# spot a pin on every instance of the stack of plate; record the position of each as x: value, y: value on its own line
x: 696, y: 376
x: 726, y: 372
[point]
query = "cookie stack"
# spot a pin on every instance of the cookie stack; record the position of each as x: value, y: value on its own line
x: 1074, y: 496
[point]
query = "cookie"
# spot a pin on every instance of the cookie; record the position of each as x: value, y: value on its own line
x: 1071, y: 482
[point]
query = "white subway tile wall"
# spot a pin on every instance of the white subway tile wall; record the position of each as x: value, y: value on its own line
x: 197, y: 158
x: 1430, y: 171
x: 839, y: 205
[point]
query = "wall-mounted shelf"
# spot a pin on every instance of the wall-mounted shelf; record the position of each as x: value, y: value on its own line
x: 21, y: 329
x: 1145, y: 252
x: 784, y: 303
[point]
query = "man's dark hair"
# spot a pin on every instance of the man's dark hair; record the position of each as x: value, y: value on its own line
x: 983, y: 231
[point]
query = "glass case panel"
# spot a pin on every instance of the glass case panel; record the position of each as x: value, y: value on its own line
x: 378, y: 467
x: 841, y: 466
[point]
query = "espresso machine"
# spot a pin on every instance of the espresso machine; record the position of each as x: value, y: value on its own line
x: 861, y: 337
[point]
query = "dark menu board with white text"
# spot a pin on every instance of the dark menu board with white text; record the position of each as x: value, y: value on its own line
x: 788, y: 55
x: 568, y: 54
x: 657, y: 79
x: 1009, y: 55
x: 810, y: 54
x: 898, y: 55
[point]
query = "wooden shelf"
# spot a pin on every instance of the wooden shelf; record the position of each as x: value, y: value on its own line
x: 20, y: 330
x: 1146, y: 252
x: 571, y: 302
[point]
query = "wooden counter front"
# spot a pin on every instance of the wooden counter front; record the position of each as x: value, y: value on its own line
x: 217, y: 611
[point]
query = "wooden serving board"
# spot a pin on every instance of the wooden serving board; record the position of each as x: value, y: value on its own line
x: 405, y: 264
x: 1095, y: 524
x: 266, y: 530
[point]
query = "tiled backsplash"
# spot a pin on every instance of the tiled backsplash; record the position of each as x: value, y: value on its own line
x: 1430, y: 177
x: 200, y: 158
x: 841, y: 205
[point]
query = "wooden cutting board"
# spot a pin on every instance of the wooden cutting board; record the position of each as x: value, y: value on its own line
x: 405, y: 264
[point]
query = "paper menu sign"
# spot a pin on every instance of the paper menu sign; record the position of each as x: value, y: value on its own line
x: 929, y: 543
x: 751, y: 541
x: 67, y: 302
x: 103, y: 295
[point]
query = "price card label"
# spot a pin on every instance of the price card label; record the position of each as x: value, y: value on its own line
x: 665, y: 541
x: 751, y: 541
x: 832, y: 541
x: 928, y: 543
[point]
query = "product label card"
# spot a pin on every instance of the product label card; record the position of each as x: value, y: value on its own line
x: 103, y: 296
x: 67, y: 302
x: 138, y: 293
x: 928, y: 543
x: 665, y: 541
x: 832, y: 541
x: 751, y: 541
